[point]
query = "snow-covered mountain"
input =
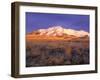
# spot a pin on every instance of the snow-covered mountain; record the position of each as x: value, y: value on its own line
x: 60, y: 31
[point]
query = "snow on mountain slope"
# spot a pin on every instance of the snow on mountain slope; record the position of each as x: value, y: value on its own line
x: 59, y: 31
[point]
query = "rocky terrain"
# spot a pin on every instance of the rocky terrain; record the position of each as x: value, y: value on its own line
x: 57, y: 46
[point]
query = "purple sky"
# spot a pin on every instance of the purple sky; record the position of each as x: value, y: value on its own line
x: 36, y: 21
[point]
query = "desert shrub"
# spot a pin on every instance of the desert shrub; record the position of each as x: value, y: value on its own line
x: 28, y: 60
x: 80, y: 56
x: 35, y: 52
x: 79, y: 51
x: 58, y: 60
x: 28, y: 51
x: 76, y: 58
x: 57, y: 52
x: 68, y: 52
x: 85, y: 56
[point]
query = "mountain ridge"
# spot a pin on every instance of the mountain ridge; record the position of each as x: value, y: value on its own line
x: 60, y: 31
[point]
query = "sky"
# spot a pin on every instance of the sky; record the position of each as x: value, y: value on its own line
x: 35, y: 21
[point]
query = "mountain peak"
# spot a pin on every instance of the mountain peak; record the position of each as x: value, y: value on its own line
x: 56, y: 27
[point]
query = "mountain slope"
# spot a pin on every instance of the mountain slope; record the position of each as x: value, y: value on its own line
x: 57, y: 33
